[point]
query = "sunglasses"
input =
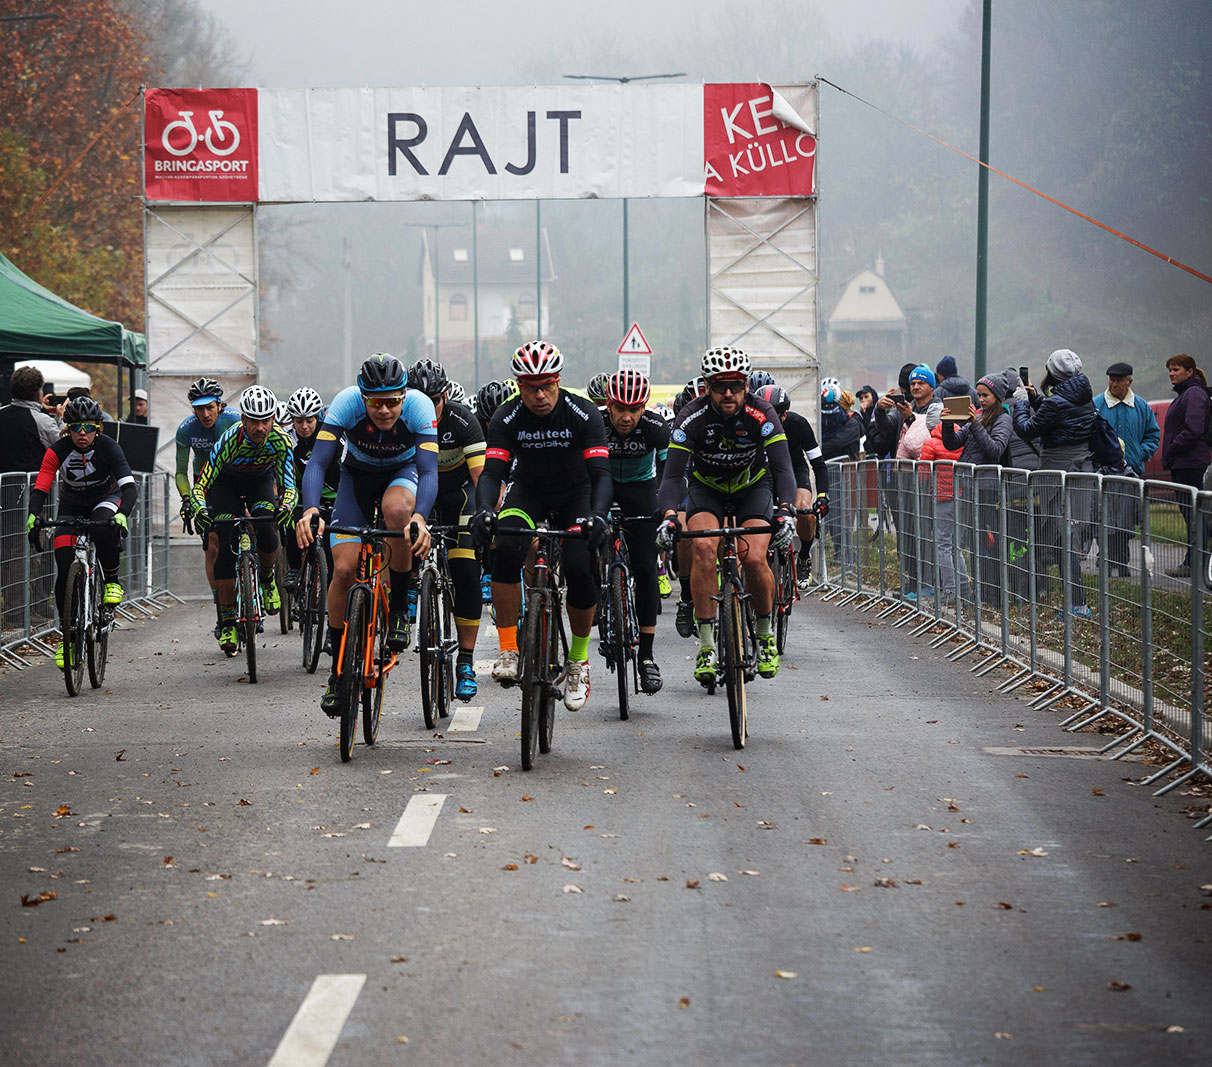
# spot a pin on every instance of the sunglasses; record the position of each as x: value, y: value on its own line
x: 83, y: 427
x: 720, y: 388
x: 383, y: 401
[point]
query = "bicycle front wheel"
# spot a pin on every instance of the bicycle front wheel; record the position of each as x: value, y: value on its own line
x: 74, y: 622
x: 353, y: 664
x: 618, y: 635
x: 313, y: 614
x: 372, y: 696
x: 533, y: 674
x: 429, y: 646
x: 732, y: 652
x: 784, y: 598
x: 246, y: 613
x: 98, y: 633
x: 450, y: 650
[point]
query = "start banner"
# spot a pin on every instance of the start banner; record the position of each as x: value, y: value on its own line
x: 482, y: 143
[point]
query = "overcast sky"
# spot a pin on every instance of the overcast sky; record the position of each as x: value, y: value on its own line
x: 294, y: 43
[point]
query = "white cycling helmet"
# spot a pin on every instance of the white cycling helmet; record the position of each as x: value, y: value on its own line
x: 304, y: 403
x: 537, y: 357
x: 257, y: 402
x: 725, y: 360
x: 455, y: 393
x: 831, y: 390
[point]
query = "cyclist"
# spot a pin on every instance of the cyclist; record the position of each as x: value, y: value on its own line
x: 683, y: 554
x: 559, y: 443
x: 490, y: 397
x: 247, y: 462
x: 197, y: 435
x: 740, y: 457
x: 460, y: 460
x: 391, y: 461
x: 805, y: 450
x: 638, y: 440
x: 306, y: 409
x: 94, y: 481
x: 596, y: 391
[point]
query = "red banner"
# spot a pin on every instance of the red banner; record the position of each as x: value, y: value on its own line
x: 754, y: 144
x: 201, y: 145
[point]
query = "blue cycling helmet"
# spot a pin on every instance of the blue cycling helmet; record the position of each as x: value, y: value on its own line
x: 382, y: 373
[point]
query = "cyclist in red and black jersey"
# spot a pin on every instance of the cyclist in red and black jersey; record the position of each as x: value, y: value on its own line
x: 559, y: 445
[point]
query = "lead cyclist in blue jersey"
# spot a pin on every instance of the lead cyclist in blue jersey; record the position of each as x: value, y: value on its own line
x: 391, y: 455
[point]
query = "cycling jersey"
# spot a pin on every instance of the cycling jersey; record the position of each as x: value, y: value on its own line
x: 460, y: 447
x: 730, y: 454
x: 332, y: 473
x: 193, y: 437
x: 85, y: 478
x: 236, y: 458
x: 804, y: 451
x: 640, y: 455
x: 555, y: 453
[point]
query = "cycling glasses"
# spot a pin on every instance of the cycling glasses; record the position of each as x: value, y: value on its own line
x: 84, y: 427
x: 382, y: 401
x: 720, y: 388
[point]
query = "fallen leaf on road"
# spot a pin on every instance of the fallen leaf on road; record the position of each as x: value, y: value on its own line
x: 526, y: 798
x: 362, y: 826
x: 273, y: 922
x: 814, y: 840
x: 340, y: 937
x: 1004, y: 1036
x: 885, y: 883
x: 1032, y: 852
x: 510, y: 867
x: 620, y: 898
x: 767, y: 825
x: 922, y: 826
x: 755, y: 873
x: 314, y: 770
x: 488, y: 829
x: 570, y: 888
x: 1118, y: 987
x: 1175, y: 1030
x: 399, y: 959
x: 464, y: 811
x: 715, y: 876
x: 1126, y: 937
x: 849, y: 888
x: 244, y: 803
x: 1037, y: 989
x: 1004, y: 906
x: 1098, y: 792
x: 684, y: 1002
x: 571, y: 864
x: 121, y: 756
x: 62, y: 811
x: 692, y: 883
x: 862, y: 948
x: 914, y: 881
x: 739, y: 767
x: 530, y: 858
x: 1106, y: 904
x: 786, y: 974
x: 28, y: 901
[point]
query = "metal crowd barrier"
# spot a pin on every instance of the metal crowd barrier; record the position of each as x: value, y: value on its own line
x: 1060, y: 577
x: 28, y: 622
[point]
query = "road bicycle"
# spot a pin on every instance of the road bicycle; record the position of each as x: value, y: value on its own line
x: 250, y: 603
x: 286, y: 595
x: 310, y: 603
x: 543, y: 641
x: 618, y: 625
x: 783, y: 565
x: 87, y: 619
x: 437, y: 637
x: 736, y: 627
x: 363, y: 660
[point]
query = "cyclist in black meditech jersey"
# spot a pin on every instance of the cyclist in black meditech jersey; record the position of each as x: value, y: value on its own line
x: 559, y: 445
x: 740, y: 458
x: 638, y: 440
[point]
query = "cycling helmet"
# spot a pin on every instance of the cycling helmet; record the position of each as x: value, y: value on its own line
x: 697, y: 386
x: 759, y: 379
x: 490, y: 397
x: 665, y: 411
x: 725, y: 360
x: 82, y: 409
x: 304, y: 403
x: 831, y: 390
x: 597, y: 388
x: 203, y: 391
x: 257, y: 402
x: 282, y: 413
x: 429, y: 377
x: 537, y: 357
x: 455, y: 393
x: 679, y: 402
x: 382, y: 373
x: 627, y: 387
x: 777, y: 397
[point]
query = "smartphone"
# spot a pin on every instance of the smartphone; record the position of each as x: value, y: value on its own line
x: 898, y: 398
x: 1023, y: 376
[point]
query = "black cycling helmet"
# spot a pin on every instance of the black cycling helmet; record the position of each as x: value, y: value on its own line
x: 429, y: 377
x: 382, y: 373
x: 777, y: 397
x: 490, y: 397
x: 82, y: 409
x: 204, y: 391
x: 759, y: 379
x: 597, y: 387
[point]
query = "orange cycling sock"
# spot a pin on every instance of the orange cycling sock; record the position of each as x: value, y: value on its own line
x: 508, y: 637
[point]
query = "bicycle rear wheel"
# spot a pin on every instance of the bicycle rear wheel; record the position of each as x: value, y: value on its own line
x: 533, y: 674
x: 313, y: 613
x: 98, y: 637
x: 548, y: 691
x: 618, y: 635
x: 732, y: 649
x: 429, y: 646
x: 351, y: 682
x: 372, y: 696
x: 246, y: 614
x: 73, y: 629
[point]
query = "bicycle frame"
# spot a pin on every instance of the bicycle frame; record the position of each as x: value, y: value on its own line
x: 367, y: 582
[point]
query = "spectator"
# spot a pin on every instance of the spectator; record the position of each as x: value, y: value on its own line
x: 25, y: 428
x: 139, y: 410
x: 84, y: 390
x: 840, y: 435
x: 946, y: 373
x: 1062, y: 420
x: 949, y: 560
x: 1135, y: 425
x: 1021, y: 455
x: 1185, y: 446
x: 867, y: 396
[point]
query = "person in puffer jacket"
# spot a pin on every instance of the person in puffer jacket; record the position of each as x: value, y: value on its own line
x: 918, y: 417
x: 949, y: 560
x: 947, y: 374
x: 1061, y: 420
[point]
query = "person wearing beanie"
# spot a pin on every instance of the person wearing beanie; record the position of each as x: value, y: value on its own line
x: 943, y: 540
x: 949, y: 381
x: 946, y: 368
x: 1061, y: 421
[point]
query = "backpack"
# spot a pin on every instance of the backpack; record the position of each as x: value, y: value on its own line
x: 1104, y: 446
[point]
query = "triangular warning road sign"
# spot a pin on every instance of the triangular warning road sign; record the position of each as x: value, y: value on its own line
x: 635, y: 344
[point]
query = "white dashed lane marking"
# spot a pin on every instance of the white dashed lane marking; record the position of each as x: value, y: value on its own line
x: 417, y: 822
x: 465, y: 721
x: 313, y: 1032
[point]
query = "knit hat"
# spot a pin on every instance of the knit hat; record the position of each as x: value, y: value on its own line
x: 846, y: 399
x: 924, y: 374
x: 1063, y: 364
x: 997, y: 385
x: 1013, y: 381
x: 946, y: 368
x: 902, y: 378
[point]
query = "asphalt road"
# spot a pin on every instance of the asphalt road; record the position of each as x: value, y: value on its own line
x: 864, y: 884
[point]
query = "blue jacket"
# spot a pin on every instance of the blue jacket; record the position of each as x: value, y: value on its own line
x: 1063, y: 418
x: 1136, y: 427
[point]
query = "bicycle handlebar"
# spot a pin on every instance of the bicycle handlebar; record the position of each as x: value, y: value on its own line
x: 542, y: 531
x: 729, y: 531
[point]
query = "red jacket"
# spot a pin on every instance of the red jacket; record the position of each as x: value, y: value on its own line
x: 944, y: 475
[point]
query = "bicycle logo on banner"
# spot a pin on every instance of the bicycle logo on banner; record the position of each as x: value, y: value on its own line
x: 216, y: 137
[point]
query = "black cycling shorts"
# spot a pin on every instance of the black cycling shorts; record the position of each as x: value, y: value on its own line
x: 755, y: 501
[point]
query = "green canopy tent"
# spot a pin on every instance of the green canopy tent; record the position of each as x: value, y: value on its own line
x: 37, y: 324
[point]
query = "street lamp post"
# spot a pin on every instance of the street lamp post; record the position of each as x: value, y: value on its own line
x: 623, y: 80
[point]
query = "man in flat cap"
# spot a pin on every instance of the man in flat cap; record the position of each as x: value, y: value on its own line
x: 1135, y: 425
